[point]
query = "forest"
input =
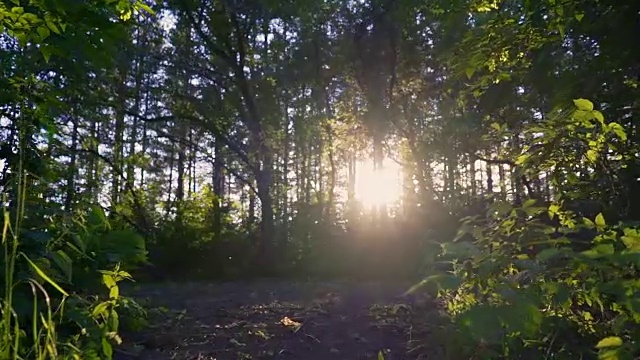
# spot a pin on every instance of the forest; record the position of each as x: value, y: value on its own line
x: 320, y: 179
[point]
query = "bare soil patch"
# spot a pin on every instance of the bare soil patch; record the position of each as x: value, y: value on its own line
x: 277, y: 319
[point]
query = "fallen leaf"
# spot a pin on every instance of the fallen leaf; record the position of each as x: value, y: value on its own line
x: 286, y: 321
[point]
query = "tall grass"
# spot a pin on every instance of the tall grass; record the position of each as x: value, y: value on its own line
x: 13, y: 341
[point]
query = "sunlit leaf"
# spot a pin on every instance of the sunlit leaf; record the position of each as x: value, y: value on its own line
x: 618, y: 130
x: 579, y: 16
x: 44, y: 276
x: 583, y: 104
x: 631, y: 239
x: 611, y: 341
x: 599, y: 251
x: 107, y: 349
x: 598, y: 116
x: 588, y: 223
x: 600, y: 223
x: 100, y: 309
x: 553, y: 210
x: 50, y: 22
x: 521, y: 159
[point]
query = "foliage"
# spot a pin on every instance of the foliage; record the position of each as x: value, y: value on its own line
x: 540, y: 281
x: 61, y: 296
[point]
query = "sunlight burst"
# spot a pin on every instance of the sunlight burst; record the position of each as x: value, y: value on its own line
x: 375, y: 188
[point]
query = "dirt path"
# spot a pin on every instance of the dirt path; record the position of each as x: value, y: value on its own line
x: 280, y: 320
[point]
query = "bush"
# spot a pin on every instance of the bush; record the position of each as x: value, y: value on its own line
x: 61, y: 297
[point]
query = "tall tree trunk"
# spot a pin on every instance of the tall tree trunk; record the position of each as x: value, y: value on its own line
x: 121, y: 97
x: 169, y: 192
x: 72, y: 169
x: 218, y: 188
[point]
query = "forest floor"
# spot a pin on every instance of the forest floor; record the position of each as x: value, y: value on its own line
x: 278, y: 319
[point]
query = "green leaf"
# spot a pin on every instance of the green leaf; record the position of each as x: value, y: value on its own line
x: 598, y: 116
x: 108, y: 281
x: 107, y: 349
x: 46, y: 52
x: 588, y: 223
x: 43, y: 275
x: 599, y: 251
x: 43, y: 32
x: 547, y: 254
x: 579, y: 16
x: 380, y: 355
x: 529, y: 203
x: 521, y: 159
x: 592, y: 155
x: 64, y: 262
x: 523, y: 316
x: 618, y: 130
x: 611, y: 341
x: 600, y: 223
x: 583, y: 104
x: 100, y: 309
x: 469, y: 71
x: 480, y: 322
x: 114, y: 292
x: 609, y: 354
x: 553, y: 210
x: 49, y: 21
x: 631, y: 239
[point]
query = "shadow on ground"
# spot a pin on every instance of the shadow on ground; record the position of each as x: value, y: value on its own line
x: 280, y: 320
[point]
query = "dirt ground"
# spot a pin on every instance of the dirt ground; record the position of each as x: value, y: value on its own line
x: 273, y: 319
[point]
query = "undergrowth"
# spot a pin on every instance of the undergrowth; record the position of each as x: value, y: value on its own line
x: 536, y: 280
x: 60, y: 297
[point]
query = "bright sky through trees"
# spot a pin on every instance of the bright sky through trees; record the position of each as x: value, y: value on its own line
x: 380, y: 187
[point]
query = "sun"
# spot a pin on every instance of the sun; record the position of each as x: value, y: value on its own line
x: 380, y: 187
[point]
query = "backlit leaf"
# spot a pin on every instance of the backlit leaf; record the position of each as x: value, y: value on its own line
x: 553, y: 210
x: 44, y: 276
x: 600, y: 223
x: 107, y: 349
x: 611, y: 341
x: 521, y: 159
x: 583, y: 104
x: 618, y: 130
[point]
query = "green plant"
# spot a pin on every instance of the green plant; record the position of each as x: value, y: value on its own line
x: 539, y: 281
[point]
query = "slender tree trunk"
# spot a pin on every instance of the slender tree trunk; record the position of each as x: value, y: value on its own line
x: 218, y: 188
x: 71, y: 170
x: 121, y: 98
x: 169, y: 192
